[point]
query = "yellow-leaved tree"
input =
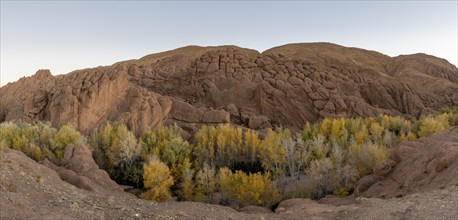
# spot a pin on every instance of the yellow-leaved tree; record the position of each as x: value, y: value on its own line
x: 272, y: 153
x: 187, y: 185
x: 157, y: 181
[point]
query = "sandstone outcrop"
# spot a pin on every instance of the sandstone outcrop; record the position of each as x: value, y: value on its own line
x: 284, y: 86
x: 415, y: 166
x: 79, y: 169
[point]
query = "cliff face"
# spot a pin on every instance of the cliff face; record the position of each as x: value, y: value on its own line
x: 190, y: 86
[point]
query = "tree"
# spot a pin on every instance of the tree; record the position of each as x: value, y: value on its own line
x: 65, y: 136
x: 186, y: 183
x: 318, y: 148
x: 361, y: 135
x: 205, y: 184
x: 297, y: 154
x: 39, y: 141
x: 225, y: 146
x: 252, y: 189
x: 369, y: 155
x: 325, y: 127
x: 308, y: 132
x: 205, y: 145
x: 116, y: 150
x: 224, y: 181
x: 272, y: 154
x: 157, y: 181
x: 166, y: 144
x: 321, y: 175
x: 251, y: 145
x: 376, y: 132
x: 336, y: 126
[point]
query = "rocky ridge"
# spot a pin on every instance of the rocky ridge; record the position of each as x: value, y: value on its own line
x: 284, y: 86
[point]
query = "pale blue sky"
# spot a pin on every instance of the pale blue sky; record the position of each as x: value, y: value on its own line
x: 64, y: 36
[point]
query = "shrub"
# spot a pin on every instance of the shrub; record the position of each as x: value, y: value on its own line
x: 429, y: 125
x: 341, y: 192
x: 322, y: 178
x: 252, y: 189
x: 368, y: 156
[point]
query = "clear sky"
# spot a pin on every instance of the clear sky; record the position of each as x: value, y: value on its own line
x: 64, y: 36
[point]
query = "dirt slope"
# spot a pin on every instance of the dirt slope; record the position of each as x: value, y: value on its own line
x: 287, y: 85
x: 29, y: 190
x: 415, y: 166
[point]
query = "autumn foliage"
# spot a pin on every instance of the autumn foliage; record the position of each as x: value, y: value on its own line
x: 233, y: 165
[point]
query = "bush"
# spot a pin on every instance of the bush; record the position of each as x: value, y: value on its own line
x: 429, y: 125
x: 249, y: 189
x: 368, y: 155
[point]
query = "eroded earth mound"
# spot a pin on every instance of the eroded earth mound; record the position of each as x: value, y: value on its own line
x: 415, y: 166
x: 80, y: 170
x: 287, y: 85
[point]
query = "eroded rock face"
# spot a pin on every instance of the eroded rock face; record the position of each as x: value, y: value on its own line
x: 415, y: 166
x: 284, y: 86
x: 79, y: 169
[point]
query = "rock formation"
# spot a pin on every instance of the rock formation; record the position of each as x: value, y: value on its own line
x: 80, y: 170
x: 287, y: 85
x: 415, y: 166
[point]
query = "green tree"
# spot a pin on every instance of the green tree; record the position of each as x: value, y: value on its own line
x: 65, y: 136
x: 167, y: 144
x: 116, y: 150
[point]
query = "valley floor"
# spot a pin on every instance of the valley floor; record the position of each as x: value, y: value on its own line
x: 29, y: 190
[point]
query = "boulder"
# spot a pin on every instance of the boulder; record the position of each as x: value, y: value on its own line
x: 79, y: 169
x: 232, y: 109
x: 185, y: 112
x: 216, y: 116
x: 258, y: 122
x: 78, y: 158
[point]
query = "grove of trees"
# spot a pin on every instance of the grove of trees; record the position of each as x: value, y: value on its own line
x: 233, y: 165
